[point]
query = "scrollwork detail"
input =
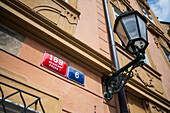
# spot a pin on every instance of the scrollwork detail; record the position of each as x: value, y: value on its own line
x: 40, y: 8
x: 158, y: 109
x: 55, y: 11
x: 149, y: 83
x: 156, y: 41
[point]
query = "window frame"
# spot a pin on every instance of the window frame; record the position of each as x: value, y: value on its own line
x: 164, y: 51
x: 115, y: 10
x: 13, y: 105
x: 146, y: 13
x: 146, y: 60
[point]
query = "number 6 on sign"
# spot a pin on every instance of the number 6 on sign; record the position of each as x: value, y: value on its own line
x: 75, y: 75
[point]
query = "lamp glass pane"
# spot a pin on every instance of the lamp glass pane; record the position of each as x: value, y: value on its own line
x: 121, y: 32
x: 131, y: 26
x: 142, y: 28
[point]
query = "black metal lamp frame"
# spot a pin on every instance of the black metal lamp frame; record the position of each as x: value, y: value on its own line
x: 131, y: 41
x: 113, y: 84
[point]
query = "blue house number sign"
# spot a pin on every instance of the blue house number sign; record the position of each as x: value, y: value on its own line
x: 75, y: 75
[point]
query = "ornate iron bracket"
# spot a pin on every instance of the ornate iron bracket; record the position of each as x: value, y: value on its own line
x: 113, y: 84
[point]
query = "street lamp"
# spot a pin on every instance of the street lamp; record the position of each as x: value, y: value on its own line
x: 131, y: 28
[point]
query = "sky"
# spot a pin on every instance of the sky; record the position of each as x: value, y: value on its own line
x: 161, y: 9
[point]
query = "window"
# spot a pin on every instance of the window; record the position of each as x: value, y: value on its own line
x: 116, y: 12
x: 167, y: 54
x: 18, y: 97
x: 146, y: 13
x: 146, y: 60
x: 12, y: 107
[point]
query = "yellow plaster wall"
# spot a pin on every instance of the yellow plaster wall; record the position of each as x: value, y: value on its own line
x: 59, y: 12
x: 144, y: 76
x: 50, y: 101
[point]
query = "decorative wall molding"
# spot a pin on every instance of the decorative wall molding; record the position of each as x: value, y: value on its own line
x: 145, y: 4
x: 156, y: 40
x: 154, y: 29
x: 158, y: 109
x: 165, y: 43
x: 57, y: 12
x: 64, y: 13
x: 121, y: 5
x: 158, y: 35
x: 127, y: 4
x: 147, y: 83
x: 137, y: 88
x: 146, y: 105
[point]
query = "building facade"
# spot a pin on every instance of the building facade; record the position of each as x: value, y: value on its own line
x: 74, y: 34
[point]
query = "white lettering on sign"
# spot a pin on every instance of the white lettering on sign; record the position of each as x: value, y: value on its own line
x: 77, y: 75
x: 54, y: 65
x: 56, y: 60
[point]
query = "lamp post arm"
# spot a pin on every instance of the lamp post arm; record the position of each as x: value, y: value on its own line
x: 113, y: 84
x: 138, y: 58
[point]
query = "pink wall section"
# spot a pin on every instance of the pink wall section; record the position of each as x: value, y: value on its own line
x: 74, y: 95
x: 91, y: 28
x: 86, y: 30
x: 160, y: 63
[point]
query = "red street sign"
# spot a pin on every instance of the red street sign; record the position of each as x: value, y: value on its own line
x: 55, y: 64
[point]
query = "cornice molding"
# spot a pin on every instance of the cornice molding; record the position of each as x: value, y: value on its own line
x: 47, y: 33
x: 148, y: 83
x: 127, y: 4
x: 154, y: 29
x: 156, y: 41
x: 145, y: 4
x: 163, y: 42
x: 158, y: 109
x: 137, y: 87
